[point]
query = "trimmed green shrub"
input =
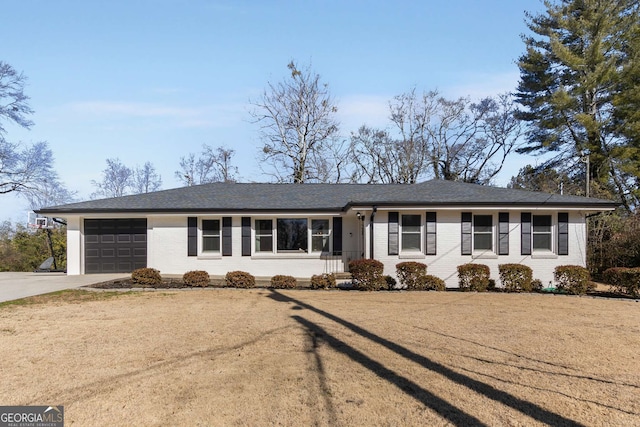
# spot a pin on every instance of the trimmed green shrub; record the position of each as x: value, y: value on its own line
x: 323, y: 281
x: 367, y: 274
x: 434, y: 283
x: 572, y: 279
x: 624, y: 280
x: 473, y: 277
x: 412, y: 275
x: 196, y: 278
x: 239, y: 279
x: 146, y: 277
x: 516, y: 277
x: 283, y: 282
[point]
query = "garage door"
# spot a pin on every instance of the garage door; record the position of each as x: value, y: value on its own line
x: 115, y: 245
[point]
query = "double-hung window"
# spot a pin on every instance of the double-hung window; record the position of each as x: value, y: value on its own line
x: 210, y: 235
x: 542, y: 233
x: 411, y: 233
x: 264, y: 235
x: 320, y: 235
x: 482, y: 233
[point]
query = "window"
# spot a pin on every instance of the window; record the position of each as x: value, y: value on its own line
x: 210, y: 235
x: 264, y: 235
x: 292, y: 235
x: 542, y: 228
x: 411, y: 232
x: 482, y: 233
x: 320, y: 235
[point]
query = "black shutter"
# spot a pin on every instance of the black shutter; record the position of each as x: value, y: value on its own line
x: 337, y: 235
x: 431, y: 236
x: 246, y: 236
x: 192, y: 236
x: 393, y: 233
x: 226, y: 236
x: 503, y: 233
x: 466, y: 239
x: 525, y: 233
x: 563, y: 233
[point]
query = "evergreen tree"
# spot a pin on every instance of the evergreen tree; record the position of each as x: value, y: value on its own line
x: 576, y: 64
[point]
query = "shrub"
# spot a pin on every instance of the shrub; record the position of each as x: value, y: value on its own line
x: 391, y: 283
x: 146, y: 277
x: 572, y: 279
x: 473, y: 277
x: 240, y: 279
x: 434, y: 283
x: 197, y: 278
x: 367, y: 274
x: 411, y: 275
x: 624, y: 280
x: 283, y: 282
x: 516, y: 277
x: 536, y: 285
x: 323, y: 281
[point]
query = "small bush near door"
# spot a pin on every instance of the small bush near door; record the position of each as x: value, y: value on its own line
x: 323, y: 281
x: 283, y: 282
x: 473, y: 277
x: 367, y: 274
x: 146, y: 277
x: 516, y: 277
x: 240, y: 279
x: 572, y: 279
x: 197, y: 278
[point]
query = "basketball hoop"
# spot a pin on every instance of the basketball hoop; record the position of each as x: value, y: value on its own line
x: 38, y: 223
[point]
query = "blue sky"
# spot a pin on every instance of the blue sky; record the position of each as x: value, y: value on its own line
x: 153, y: 80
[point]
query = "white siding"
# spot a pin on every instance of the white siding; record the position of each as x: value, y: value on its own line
x: 75, y: 254
x: 448, y: 257
x: 167, y: 247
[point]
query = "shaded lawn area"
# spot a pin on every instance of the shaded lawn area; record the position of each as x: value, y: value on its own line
x: 265, y: 357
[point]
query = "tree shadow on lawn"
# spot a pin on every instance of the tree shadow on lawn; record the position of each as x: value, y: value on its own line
x: 448, y: 411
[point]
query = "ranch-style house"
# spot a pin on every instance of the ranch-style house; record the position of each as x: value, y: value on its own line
x: 307, y: 229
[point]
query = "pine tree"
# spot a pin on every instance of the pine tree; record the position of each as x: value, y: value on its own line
x: 576, y: 63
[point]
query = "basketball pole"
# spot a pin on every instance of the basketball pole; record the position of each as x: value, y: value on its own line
x: 55, y: 265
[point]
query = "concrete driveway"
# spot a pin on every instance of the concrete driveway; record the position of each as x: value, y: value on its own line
x: 19, y: 285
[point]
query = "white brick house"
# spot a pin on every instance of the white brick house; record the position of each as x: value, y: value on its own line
x: 306, y: 229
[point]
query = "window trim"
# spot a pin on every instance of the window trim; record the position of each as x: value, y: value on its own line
x: 550, y: 233
x: 420, y: 233
x: 326, y: 236
x: 475, y: 251
x: 291, y: 253
x: 257, y: 235
x: 202, y: 236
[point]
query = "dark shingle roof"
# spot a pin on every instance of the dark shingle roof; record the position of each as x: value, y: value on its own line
x: 322, y: 197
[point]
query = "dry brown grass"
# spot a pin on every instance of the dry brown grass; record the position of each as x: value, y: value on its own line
x: 261, y: 357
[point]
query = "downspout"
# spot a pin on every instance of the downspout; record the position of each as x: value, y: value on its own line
x: 373, y: 215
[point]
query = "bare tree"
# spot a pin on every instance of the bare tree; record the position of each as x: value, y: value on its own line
x: 145, y: 179
x: 116, y: 180
x: 470, y: 141
x: 435, y: 137
x: 212, y: 165
x: 24, y: 169
x: 298, y: 124
x: 120, y: 180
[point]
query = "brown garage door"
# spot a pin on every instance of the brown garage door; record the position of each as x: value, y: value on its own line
x: 115, y: 245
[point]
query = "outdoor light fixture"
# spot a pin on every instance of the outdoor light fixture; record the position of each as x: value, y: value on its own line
x: 359, y: 215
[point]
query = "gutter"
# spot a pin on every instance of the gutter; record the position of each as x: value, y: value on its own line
x: 371, y: 218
